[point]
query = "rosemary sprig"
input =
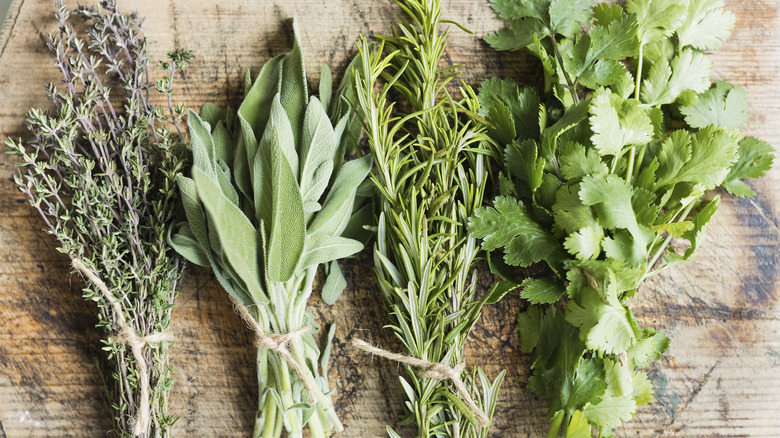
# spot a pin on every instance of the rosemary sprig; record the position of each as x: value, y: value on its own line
x: 270, y: 199
x: 100, y: 170
x: 431, y: 172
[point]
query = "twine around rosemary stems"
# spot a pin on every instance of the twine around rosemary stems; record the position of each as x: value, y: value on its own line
x: 127, y: 336
x: 431, y: 370
x: 278, y: 344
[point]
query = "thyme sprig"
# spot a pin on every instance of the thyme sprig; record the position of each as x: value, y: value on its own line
x: 100, y: 171
x: 431, y: 172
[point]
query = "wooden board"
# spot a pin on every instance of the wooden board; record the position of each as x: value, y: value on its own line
x: 721, y: 376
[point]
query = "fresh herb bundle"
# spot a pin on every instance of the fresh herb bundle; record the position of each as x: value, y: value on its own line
x: 609, y: 179
x: 100, y: 171
x: 269, y: 200
x: 431, y: 173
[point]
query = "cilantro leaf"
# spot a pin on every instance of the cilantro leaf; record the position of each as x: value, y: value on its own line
x: 562, y: 375
x: 706, y: 25
x: 520, y: 107
x: 517, y: 35
x: 569, y: 211
x: 585, y: 243
x: 689, y: 70
x: 722, y: 105
x: 514, y: 9
x: 611, y: 197
x: 605, y: 13
x: 657, y: 18
x: 650, y: 347
x: 616, y: 41
x: 542, y: 290
x: 522, y: 162
x: 699, y: 223
x: 617, y: 122
x: 566, y: 16
x: 509, y: 225
x: 643, y: 388
x: 755, y: 158
x: 604, y: 326
x: 713, y: 151
x: 617, y: 404
x: 576, y: 161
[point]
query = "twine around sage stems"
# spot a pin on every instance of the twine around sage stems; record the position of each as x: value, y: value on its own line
x: 127, y: 336
x: 431, y: 370
x: 278, y: 344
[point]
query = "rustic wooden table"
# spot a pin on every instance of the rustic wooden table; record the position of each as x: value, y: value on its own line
x: 721, y: 376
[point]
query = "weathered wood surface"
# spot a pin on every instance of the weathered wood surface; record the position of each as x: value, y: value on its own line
x: 721, y: 376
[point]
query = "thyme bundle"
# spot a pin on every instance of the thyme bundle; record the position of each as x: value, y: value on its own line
x: 431, y: 173
x: 100, y: 171
x: 269, y: 200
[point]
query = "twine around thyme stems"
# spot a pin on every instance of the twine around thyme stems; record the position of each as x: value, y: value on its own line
x: 127, y: 336
x: 431, y: 370
x: 278, y: 344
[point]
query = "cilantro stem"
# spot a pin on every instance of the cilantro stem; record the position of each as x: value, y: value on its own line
x: 630, y: 167
x: 639, y: 159
x: 566, y: 76
x: 665, y: 244
x: 639, y: 72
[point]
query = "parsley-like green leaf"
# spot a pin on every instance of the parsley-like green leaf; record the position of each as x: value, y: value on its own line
x: 514, y: 10
x: 577, y: 161
x: 617, y: 122
x: 657, y: 18
x: 706, y: 25
x: 755, y: 158
x: 508, y: 224
x: 585, y: 243
x: 542, y: 290
x: 650, y: 347
x: 689, y: 70
x: 722, y: 105
x: 566, y: 16
x: 604, y: 326
x: 518, y: 35
x: 617, y: 404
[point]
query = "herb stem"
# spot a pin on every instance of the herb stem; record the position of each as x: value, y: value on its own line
x: 566, y: 76
x: 668, y: 239
x: 639, y: 71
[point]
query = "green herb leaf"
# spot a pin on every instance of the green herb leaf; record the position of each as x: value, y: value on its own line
x: 722, y: 105
x: 508, y: 224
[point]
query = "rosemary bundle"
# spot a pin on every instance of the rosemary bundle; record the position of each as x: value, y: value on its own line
x: 100, y: 171
x: 431, y: 172
x: 269, y: 200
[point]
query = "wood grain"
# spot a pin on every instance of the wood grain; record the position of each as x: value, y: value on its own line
x: 721, y: 376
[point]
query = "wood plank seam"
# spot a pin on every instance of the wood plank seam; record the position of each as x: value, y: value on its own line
x: 8, y: 26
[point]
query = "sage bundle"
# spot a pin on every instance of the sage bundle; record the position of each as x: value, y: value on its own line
x: 431, y: 172
x: 100, y: 170
x: 269, y: 199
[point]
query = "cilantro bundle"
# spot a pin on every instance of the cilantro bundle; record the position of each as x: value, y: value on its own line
x: 269, y: 200
x: 430, y: 175
x: 100, y: 171
x: 608, y: 179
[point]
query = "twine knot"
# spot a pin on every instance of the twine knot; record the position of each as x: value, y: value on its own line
x: 278, y: 344
x: 431, y: 370
x: 126, y: 335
